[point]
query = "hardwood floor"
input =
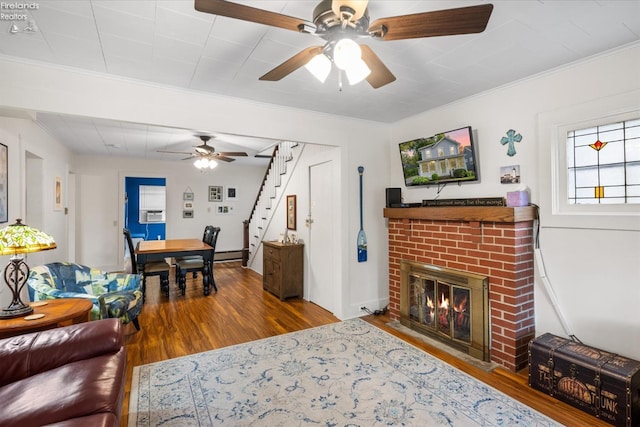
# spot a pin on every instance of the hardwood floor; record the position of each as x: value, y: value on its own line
x: 241, y: 311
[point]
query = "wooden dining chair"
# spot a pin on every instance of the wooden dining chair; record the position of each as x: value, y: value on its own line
x: 205, y: 236
x: 197, y: 264
x: 154, y: 268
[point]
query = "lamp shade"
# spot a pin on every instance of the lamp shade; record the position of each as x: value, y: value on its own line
x: 357, y: 72
x: 203, y: 163
x: 19, y: 238
x: 346, y: 53
x: 319, y: 66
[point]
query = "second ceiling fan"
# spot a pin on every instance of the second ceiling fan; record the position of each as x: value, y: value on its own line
x: 206, y: 151
x: 341, y: 22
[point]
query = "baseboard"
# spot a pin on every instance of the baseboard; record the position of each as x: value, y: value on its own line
x: 228, y: 256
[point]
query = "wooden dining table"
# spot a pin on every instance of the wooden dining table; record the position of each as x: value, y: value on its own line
x: 149, y: 250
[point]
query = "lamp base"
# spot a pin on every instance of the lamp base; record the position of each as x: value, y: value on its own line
x: 11, y: 312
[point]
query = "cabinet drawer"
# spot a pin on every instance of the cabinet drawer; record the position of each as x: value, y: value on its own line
x: 272, y: 253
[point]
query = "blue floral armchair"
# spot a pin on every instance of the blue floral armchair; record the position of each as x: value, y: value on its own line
x: 117, y: 295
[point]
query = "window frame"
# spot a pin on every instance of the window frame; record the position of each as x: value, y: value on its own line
x: 553, y: 126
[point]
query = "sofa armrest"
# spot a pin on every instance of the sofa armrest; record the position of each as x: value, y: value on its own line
x: 25, y: 355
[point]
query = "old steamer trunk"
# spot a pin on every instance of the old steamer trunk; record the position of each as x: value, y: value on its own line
x: 603, y: 384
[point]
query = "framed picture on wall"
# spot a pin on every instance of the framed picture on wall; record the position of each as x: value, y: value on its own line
x: 291, y: 212
x: 232, y: 193
x: 57, y: 194
x: 4, y: 180
x: 215, y: 193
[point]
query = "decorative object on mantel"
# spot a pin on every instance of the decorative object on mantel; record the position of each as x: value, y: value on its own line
x: 511, y: 139
x: 519, y: 197
x: 15, y: 240
x: 362, y: 237
x: 474, y: 201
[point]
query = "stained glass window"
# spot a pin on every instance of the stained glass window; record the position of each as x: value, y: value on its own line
x: 604, y: 164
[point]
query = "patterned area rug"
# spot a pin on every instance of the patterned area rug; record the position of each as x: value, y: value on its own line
x: 344, y: 374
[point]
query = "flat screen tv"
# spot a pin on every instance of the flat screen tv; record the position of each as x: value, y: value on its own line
x: 439, y: 159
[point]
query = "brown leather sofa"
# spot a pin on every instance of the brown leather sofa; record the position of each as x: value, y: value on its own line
x: 69, y: 376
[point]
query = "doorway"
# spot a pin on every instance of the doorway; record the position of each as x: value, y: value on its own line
x: 145, y: 208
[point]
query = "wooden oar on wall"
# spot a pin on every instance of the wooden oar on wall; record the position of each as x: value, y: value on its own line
x: 362, y: 237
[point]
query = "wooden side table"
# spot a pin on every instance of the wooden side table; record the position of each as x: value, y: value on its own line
x: 282, y: 267
x: 55, y: 313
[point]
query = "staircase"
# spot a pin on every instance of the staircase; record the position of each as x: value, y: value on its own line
x: 285, y: 157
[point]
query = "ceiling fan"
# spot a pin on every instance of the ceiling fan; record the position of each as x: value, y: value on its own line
x: 338, y: 20
x: 206, y: 151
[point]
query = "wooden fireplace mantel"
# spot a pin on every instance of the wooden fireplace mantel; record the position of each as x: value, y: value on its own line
x: 464, y: 213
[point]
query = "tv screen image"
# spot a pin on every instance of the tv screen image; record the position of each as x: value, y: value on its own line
x: 440, y: 159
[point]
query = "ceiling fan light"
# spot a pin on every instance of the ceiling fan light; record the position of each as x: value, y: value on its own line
x: 212, y: 164
x: 357, y: 72
x: 345, y: 53
x: 319, y: 66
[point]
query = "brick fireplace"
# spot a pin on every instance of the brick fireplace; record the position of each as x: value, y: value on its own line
x: 496, y: 242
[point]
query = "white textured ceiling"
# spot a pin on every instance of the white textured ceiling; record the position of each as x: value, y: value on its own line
x: 168, y: 42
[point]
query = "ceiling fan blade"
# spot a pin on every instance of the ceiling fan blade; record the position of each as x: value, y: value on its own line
x: 463, y: 20
x: 358, y: 6
x: 225, y: 159
x: 248, y: 13
x: 171, y: 152
x: 189, y: 158
x: 232, y: 153
x: 292, y: 64
x: 380, y: 74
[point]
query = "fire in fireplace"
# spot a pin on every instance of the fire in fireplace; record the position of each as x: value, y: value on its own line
x: 449, y: 305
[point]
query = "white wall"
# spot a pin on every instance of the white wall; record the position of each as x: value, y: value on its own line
x: 39, y: 87
x: 594, y: 272
x: 21, y: 135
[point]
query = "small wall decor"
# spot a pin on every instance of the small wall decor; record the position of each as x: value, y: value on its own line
x: 511, y: 139
x: 232, y: 193
x: 215, y: 193
x: 510, y: 174
x: 187, y: 214
x: 188, y: 194
x: 225, y: 209
x: 291, y: 212
x: 57, y: 194
x: 188, y: 205
x: 4, y: 179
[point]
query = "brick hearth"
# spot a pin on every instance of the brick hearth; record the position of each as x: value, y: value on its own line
x: 496, y: 242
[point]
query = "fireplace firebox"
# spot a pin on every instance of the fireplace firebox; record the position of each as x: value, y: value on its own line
x: 449, y: 305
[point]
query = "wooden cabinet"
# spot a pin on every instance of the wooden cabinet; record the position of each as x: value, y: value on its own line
x: 282, y: 267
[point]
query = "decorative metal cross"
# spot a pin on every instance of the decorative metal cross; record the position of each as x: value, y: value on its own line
x: 511, y: 139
